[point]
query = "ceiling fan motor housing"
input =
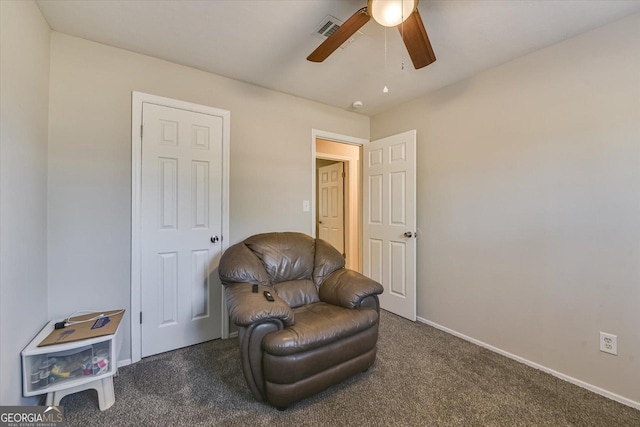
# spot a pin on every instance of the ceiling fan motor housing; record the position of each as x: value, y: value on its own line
x: 391, y: 13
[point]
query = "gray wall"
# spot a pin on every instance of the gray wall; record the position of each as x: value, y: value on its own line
x: 529, y: 205
x: 90, y: 162
x: 24, y: 84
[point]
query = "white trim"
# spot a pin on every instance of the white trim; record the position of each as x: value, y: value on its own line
x: 124, y: 362
x: 579, y: 383
x: 233, y: 334
x: 330, y: 136
x: 328, y: 156
x: 137, y: 99
x: 344, y: 139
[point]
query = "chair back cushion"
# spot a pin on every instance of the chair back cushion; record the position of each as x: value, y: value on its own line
x: 285, y: 256
x: 327, y: 260
x: 272, y: 258
x: 239, y: 265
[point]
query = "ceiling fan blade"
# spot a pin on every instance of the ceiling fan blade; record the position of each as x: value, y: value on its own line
x: 416, y: 40
x: 341, y: 35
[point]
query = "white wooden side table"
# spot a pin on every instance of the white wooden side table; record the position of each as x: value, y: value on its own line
x: 62, y: 369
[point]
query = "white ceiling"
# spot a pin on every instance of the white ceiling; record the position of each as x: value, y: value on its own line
x: 266, y: 42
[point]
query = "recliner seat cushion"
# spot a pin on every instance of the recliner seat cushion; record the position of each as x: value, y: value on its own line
x: 317, y: 325
x: 297, y: 292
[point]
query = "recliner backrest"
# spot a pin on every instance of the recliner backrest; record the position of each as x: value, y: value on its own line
x: 271, y: 258
x: 285, y: 256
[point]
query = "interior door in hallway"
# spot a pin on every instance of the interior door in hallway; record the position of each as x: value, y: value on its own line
x: 389, y: 223
x: 331, y: 205
x: 181, y: 228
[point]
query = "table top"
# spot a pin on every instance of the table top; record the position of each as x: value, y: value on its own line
x: 32, y: 348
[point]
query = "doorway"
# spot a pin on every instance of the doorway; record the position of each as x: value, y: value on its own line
x: 386, y: 213
x: 346, y: 153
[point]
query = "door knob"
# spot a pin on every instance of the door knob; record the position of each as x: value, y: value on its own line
x: 214, y: 239
x: 408, y: 234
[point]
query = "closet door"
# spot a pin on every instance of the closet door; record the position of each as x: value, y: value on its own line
x: 181, y: 226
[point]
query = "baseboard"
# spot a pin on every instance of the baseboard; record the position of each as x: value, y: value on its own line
x: 579, y: 383
x: 233, y: 334
x: 124, y: 362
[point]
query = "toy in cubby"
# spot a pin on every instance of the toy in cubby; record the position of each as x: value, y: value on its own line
x: 54, y: 368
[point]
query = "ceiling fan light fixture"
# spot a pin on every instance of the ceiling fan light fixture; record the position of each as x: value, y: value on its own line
x: 391, y: 13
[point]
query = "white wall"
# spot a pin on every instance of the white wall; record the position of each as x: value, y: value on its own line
x: 24, y: 84
x: 90, y: 162
x: 529, y: 205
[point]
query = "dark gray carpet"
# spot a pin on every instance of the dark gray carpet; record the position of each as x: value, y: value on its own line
x: 422, y: 377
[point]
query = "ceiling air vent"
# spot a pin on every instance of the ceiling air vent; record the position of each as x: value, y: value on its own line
x: 329, y: 25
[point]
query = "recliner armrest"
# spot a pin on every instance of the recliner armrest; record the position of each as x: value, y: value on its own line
x: 246, y: 308
x: 347, y: 288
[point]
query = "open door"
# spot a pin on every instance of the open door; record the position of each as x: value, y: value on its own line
x: 389, y: 220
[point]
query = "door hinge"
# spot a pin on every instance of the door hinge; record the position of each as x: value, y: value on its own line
x: 141, y: 318
x: 141, y: 132
x: 343, y: 175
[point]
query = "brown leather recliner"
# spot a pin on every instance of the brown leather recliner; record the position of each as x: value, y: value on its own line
x: 322, y: 326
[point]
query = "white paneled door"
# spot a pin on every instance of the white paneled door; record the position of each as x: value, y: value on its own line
x: 181, y: 227
x: 389, y: 223
x: 331, y: 205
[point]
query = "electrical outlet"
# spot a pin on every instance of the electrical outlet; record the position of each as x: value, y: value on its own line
x: 609, y: 343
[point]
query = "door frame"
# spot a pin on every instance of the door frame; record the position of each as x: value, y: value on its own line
x: 343, y: 139
x: 137, y: 100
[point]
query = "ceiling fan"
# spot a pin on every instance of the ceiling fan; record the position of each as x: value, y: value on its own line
x: 402, y: 14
